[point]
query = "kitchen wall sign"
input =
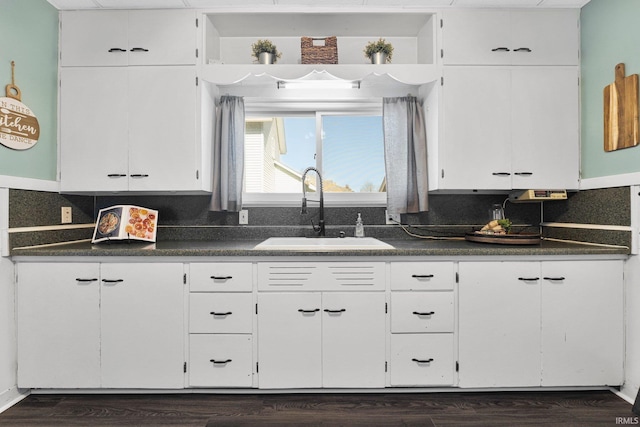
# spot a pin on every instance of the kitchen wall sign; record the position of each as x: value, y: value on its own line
x: 621, y: 128
x: 19, y: 128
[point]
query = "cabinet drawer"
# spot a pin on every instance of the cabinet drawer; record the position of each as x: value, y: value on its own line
x: 220, y: 313
x: 321, y: 276
x: 221, y: 276
x: 422, y: 275
x: 422, y: 312
x: 220, y: 360
x: 421, y: 359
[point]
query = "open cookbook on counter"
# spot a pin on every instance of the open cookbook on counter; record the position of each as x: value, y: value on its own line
x: 126, y: 222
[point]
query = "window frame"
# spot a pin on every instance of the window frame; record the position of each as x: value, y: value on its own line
x: 317, y: 109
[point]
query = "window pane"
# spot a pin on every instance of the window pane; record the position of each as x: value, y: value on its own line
x: 277, y: 151
x: 353, y: 154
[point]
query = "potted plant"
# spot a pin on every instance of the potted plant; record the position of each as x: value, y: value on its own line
x: 265, y: 52
x: 379, y: 51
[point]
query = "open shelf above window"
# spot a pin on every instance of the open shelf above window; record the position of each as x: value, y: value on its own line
x: 229, y: 36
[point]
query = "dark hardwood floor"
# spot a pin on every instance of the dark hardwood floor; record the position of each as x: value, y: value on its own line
x: 522, y: 408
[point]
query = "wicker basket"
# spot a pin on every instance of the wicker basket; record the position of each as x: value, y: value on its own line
x: 327, y: 54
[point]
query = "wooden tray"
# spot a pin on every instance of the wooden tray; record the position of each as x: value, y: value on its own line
x: 504, y: 239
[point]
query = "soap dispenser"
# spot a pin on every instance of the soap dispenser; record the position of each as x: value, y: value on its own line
x: 359, y: 227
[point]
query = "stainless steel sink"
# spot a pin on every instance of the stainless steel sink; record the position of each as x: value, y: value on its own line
x: 322, y: 244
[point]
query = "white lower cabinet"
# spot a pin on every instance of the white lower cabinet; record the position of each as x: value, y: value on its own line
x: 58, y: 309
x: 321, y: 339
x: 550, y: 323
x: 221, y: 318
x: 89, y: 325
x: 422, y: 324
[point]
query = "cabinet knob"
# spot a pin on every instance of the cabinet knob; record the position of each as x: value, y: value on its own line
x: 522, y: 49
x: 500, y: 49
x: 424, y: 313
x: 422, y: 360
x: 215, y: 313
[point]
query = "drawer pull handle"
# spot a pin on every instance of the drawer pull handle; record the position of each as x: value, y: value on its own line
x: 501, y: 174
x: 300, y: 310
x: 342, y: 310
x: 554, y: 279
x: 213, y: 313
x: 528, y: 279
x: 523, y: 173
x: 86, y: 280
x: 500, y: 49
x: 422, y: 276
x: 522, y: 49
x: 220, y: 362
x: 139, y: 49
x: 117, y: 49
x: 116, y: 175
x: 222, y: 277
x: 112, y: 280
x: 421, y: 360
x: 425, y: 313
x: 139, y: 175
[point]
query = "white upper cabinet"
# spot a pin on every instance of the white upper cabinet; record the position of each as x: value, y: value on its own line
x: 120, y: 38
x: 513, y: 127
x: 489, y: 37
x: 123, y: 128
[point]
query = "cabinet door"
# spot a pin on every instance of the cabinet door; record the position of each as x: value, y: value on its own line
x: 353, y: 339
x: 289, y: 340
x: 477, y: 129
x: 94, y: 38
x: 582, y: 323
x: 94, y: 117
x: 58, y: 313
x: 142, y: 325
x: 545, y: 127
x: 499, y: 324
x: 162, y: 37
x: 498, y: 37
x: 545, y: 37
x: 162, y: 129
x: 476, y: 37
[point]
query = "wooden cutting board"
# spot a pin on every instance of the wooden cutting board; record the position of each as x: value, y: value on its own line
x: 621, y: 128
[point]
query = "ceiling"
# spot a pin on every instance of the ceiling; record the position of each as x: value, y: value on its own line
x: 334, y: 4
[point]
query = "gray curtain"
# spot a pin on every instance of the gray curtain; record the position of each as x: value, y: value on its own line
x: 228, y: 155
x: 405, y: 153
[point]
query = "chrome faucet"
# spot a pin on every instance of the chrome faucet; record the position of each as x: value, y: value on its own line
x: 319, y: 229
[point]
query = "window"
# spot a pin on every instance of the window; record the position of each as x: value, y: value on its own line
x: 346, y: 147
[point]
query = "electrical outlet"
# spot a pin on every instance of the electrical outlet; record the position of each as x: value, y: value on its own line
x: 391, y: 219
x: 65, y: 215
x: 243, y: 217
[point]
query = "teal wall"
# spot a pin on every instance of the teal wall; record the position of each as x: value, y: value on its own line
x: 29, y: 35
x: 610, y: 32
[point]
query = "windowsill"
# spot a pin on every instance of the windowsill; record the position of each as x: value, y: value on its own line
x: 330, y: 199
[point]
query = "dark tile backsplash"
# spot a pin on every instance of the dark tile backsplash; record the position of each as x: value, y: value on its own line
x: 189, y: 218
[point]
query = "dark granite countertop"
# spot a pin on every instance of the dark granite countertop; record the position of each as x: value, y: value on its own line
x: 244, y: 248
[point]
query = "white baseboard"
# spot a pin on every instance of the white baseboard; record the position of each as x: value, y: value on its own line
x: 10, y: 397
x: 628, y: 393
